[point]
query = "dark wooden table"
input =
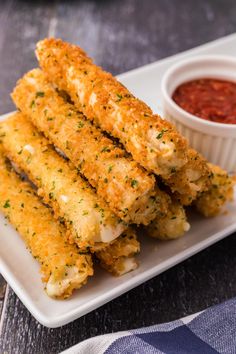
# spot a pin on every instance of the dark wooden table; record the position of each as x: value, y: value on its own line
x: 120, y: 35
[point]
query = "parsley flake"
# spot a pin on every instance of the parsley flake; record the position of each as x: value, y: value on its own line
x: 134, y: 183
x: 80, y: 124
x: 7, y: 204
x: 39, y: 94
x: 119, y: 97
x: 105, y: 149
x: 160, y: 135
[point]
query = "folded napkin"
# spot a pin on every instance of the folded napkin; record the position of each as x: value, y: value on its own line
x: 209, y: 332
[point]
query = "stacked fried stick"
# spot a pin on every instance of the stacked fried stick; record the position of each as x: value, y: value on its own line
x: 146, y: 178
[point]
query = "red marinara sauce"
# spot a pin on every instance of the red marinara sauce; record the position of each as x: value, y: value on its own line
x: 210, y: 99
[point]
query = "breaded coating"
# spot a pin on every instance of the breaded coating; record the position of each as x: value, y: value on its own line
x: 87, y: 217
x: 210, y: 203
x: 129, y: 190
x: 170, y: 226
x: 152, y: 141
x: 63, y: 267
x: 119, y: 257
x: 191, y: 180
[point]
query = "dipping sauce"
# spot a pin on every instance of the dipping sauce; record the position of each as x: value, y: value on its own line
x: 210, y: 99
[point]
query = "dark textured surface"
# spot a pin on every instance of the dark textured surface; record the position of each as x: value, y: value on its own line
x: 120, y: 35
x: 2, y: 292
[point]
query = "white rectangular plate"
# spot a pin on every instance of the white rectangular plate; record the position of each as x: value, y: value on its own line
x: 22, y: 272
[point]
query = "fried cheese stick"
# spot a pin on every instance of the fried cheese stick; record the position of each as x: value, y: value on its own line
x: 88, y: 219
x: 210, y: 203
x: 119, y: 257
x: 127, y: 188
x: 170, y: 226
x: 191, y: 180
x: 110, y: 105
x: 152, y: 141
x: 63, y: 267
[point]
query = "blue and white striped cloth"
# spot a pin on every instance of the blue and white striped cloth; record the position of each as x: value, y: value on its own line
x: 209, y: 332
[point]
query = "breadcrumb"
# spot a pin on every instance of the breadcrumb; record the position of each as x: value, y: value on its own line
x: 191, y: 180
x: 87, y: 217
x: 119, y: 257
x: 63, y: 267
x: 128, y: 189
x: 170, y: 226
x: 211, y: 202
x: 152, y: 141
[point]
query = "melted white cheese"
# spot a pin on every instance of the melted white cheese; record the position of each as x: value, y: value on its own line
x: 92, y: 99
x: 186, y: 226
x: 30, y: 80
x: 129, y: 264
x: 166, y: 148
x: 78, y: 85
x: 60, y: 152
x: 116, y: 114
x: 64, y: 198
x: 58, y: 288
x: 108, y: 233
x: 193, y: 175
x: 29, y: 148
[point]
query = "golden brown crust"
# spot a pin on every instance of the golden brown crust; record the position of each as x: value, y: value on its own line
x: 129, y: 190
x: 138, y: 130
x: 43, y: 235
x: 191, y: 180
x: 152, y: 141
x: 114, y: 257
x: 87, y: 217
x: 170, y: 226
x: 211, y: 202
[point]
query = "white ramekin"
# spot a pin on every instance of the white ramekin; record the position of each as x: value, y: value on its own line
x: 216, y: 141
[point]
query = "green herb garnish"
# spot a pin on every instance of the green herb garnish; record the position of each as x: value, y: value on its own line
x: 7, y: 204
x: 105, y: 149
x: 160, y: 135
x: 134, y: 183
x: 119, y: 97
x: 80, y: 124
x: 39, y: 94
